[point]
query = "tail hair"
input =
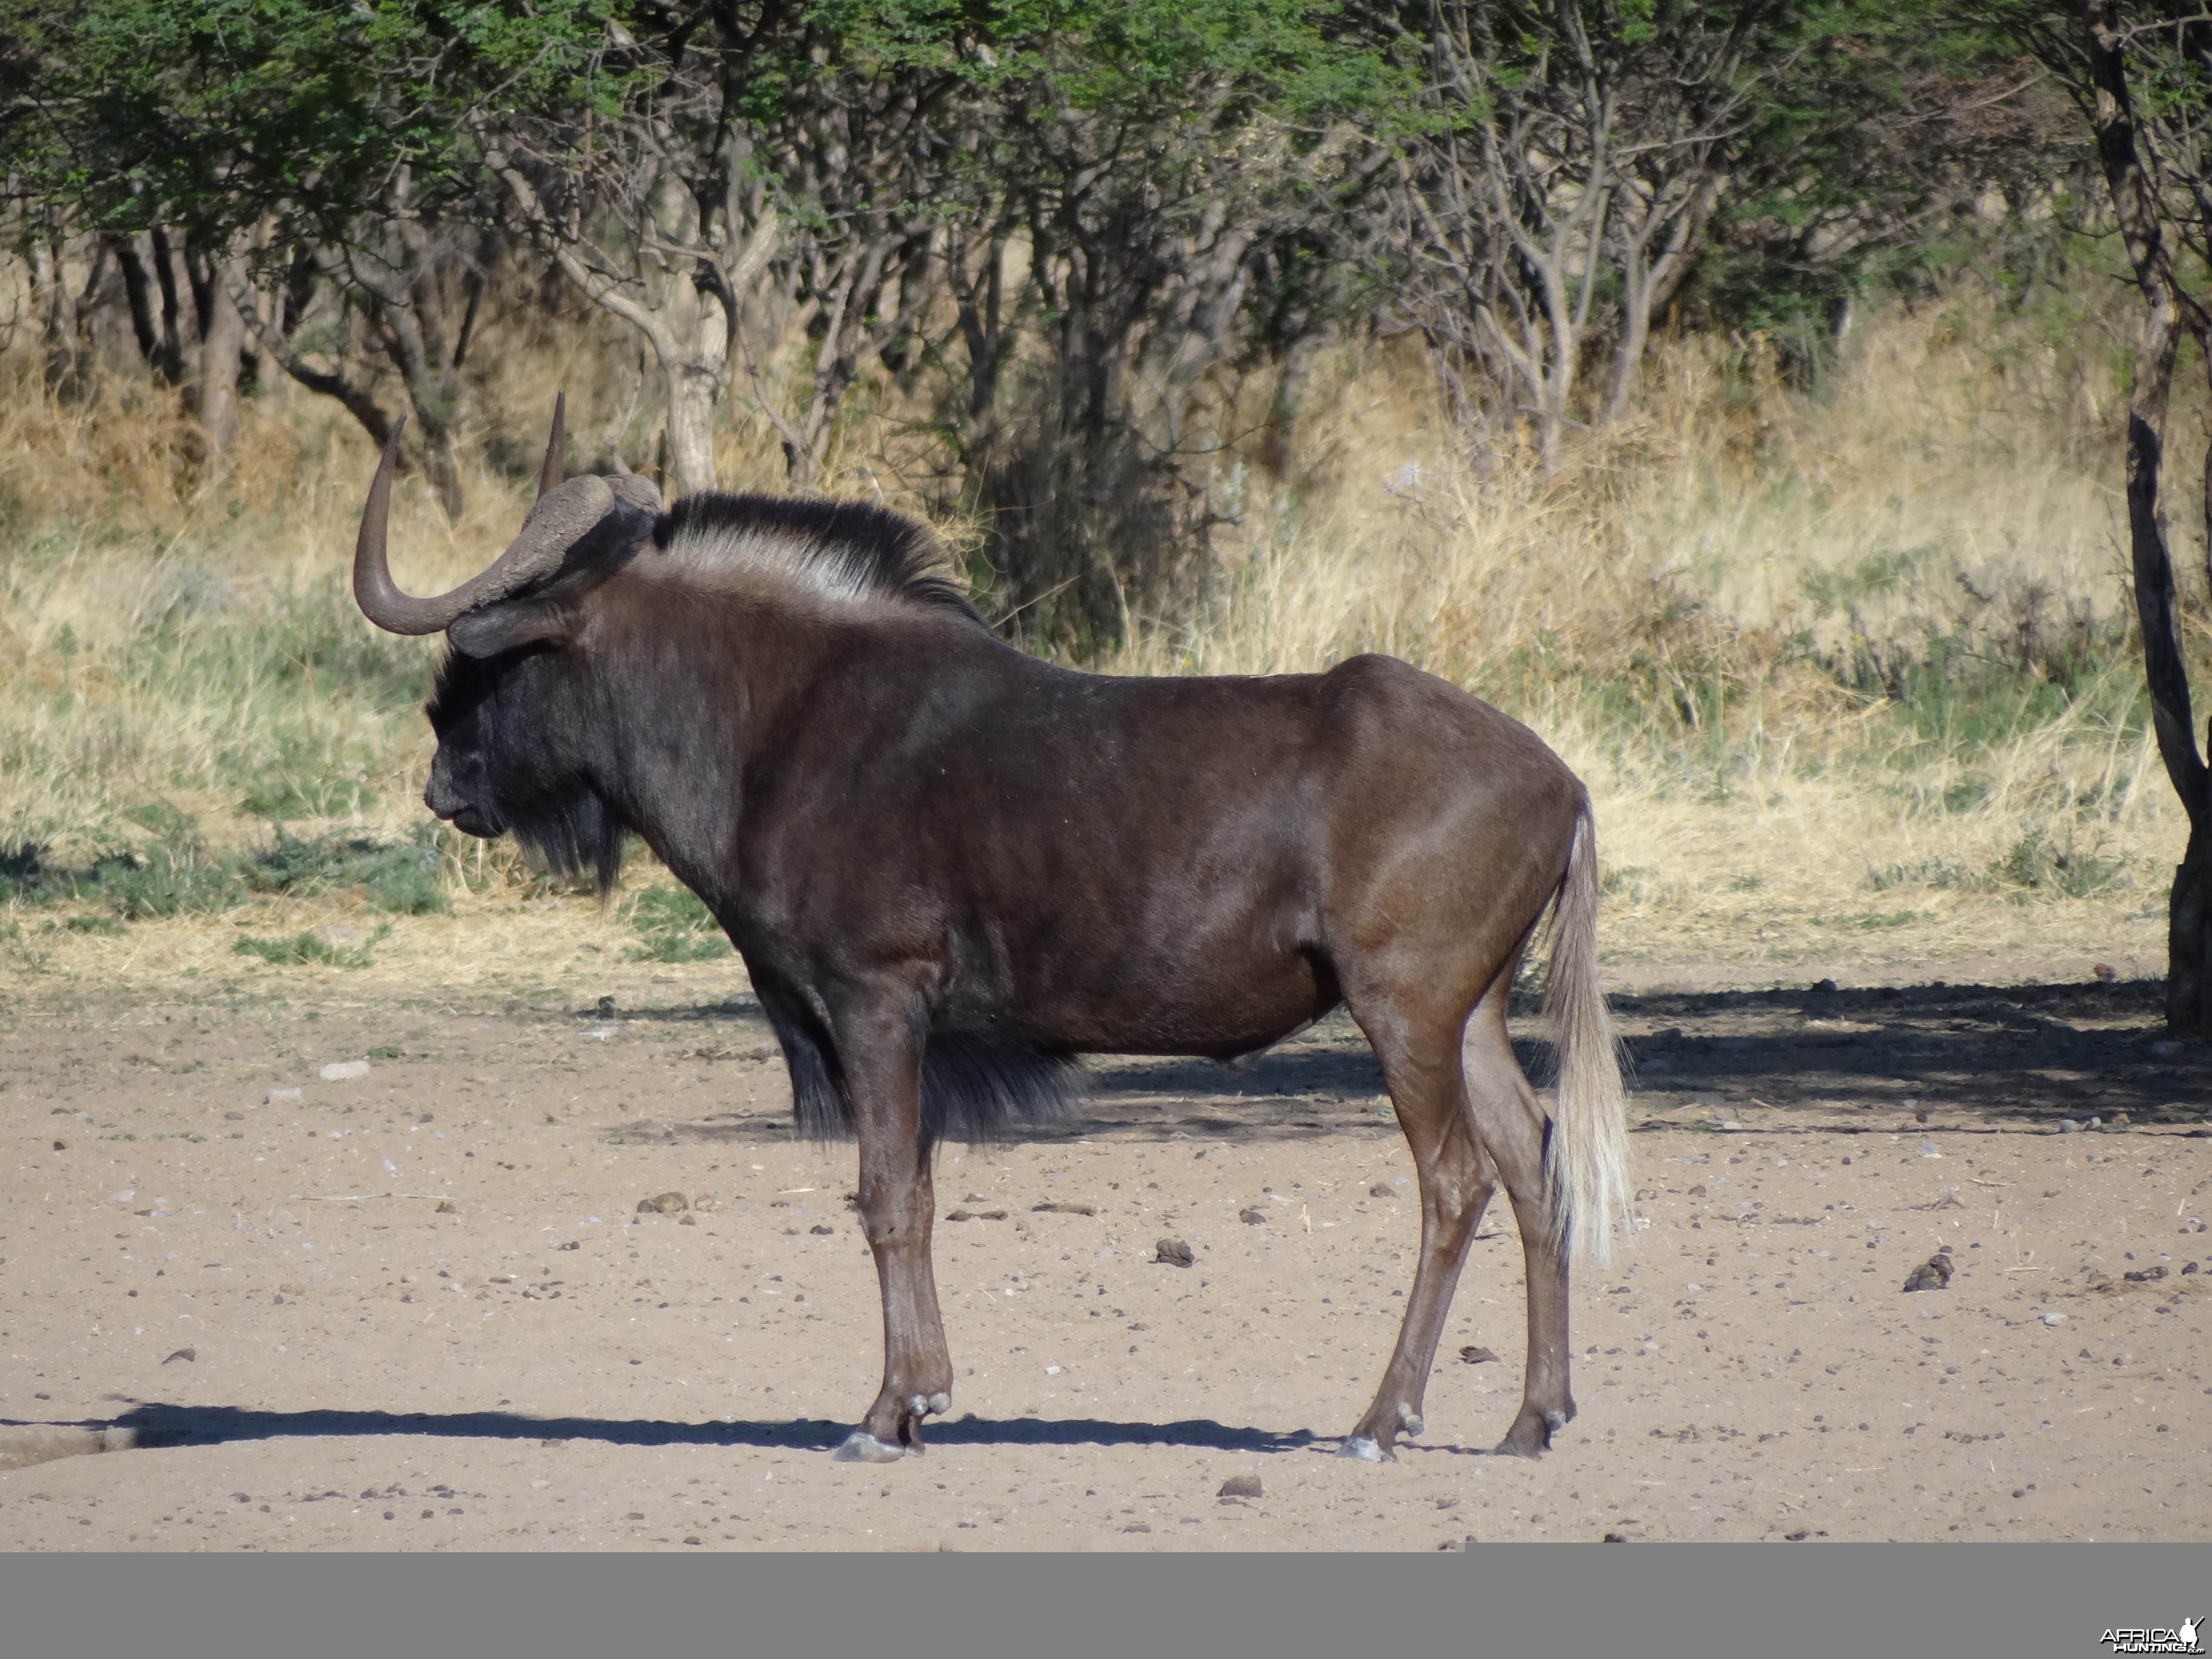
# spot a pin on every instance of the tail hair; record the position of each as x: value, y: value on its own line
x: 1586, y: 1174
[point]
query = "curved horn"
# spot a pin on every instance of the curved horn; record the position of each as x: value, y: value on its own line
x: 548, y: 475
x: 562, y: 517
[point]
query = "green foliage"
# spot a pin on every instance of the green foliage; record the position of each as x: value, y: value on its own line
x: 2039, y: 863
x: 1875, y: 921
x: 216, y: 111
x: 170, y: 874
x: 674, y: 925
x: 310, y: 949
x: 174, y: 872
x: 2059, y: 867
x: 402, y: 879
x: 90, y: 923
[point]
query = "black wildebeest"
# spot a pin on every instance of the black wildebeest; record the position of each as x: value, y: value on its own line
x: 950, y: 868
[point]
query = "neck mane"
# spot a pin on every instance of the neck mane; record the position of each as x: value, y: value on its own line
x: 844, y: 551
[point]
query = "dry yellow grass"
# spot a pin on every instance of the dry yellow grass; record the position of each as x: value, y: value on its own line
x: 1696, y: 615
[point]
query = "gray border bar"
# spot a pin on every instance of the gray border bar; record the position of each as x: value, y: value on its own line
x: 2020, y: 1601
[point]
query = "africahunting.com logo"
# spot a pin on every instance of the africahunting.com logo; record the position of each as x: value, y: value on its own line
x: 2183, y: 1640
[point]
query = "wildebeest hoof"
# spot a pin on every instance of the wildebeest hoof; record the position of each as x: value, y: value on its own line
x: 1366, y: 1451
x: 861, y: 1447
x: 939, y: 1403
x: 1410, y: 1420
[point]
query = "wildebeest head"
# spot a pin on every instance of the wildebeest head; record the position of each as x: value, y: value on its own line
x: 508, y: 708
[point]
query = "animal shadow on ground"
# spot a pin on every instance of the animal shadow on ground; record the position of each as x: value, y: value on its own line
x: 160, y: 1425
x: 1837, y: 1059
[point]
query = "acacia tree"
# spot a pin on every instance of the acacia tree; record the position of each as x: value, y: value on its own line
x: 638, y: 192
x: 2140, y: 73
x: 1555, y: 186
x: 1136, y: 182
x: 1568, y: 165
x: 718, y: 151
x: 232, y: 149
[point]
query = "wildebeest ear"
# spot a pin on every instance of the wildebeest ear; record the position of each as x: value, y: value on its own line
x: 510, y: 625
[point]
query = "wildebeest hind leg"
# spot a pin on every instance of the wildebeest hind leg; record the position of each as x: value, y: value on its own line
x: 898, y: 1203
x: 1421, y: 1063
x: 1511, y: 1125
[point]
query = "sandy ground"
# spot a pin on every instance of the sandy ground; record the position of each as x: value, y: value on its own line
x: 420, y: 1308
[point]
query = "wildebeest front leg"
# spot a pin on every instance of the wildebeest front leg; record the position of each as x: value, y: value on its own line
x: 1456, y: 1182
x: 897, y: 1202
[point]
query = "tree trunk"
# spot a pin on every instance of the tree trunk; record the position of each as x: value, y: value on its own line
x: 139, y: 293
x: 64, y: 351
x: 680, y: 297
x: 214, y: 391
x: 2188, y: 933
x: 407, y: 320
x: 693, y: 345
x: 2189, y: 916
x: 691, y: 425
x: 176, y: 322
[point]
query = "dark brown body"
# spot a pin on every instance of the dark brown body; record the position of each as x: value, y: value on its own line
x: 950, y: 868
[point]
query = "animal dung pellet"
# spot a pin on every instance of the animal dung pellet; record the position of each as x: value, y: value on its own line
x: 1933, y: 1274
x: 1175, y: 1253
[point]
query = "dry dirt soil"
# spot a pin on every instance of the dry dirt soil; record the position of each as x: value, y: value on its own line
x: 420, y: 1308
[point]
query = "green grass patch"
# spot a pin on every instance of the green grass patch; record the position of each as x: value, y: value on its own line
x: 94, y: 922
x: 288, y: 795
x: 310, y: 949
x: 1875, y: 921
x: 399, y: 879
x: 673, y: 925
x: 173, y: 872
x: 1944, y: 874
x: 2043, y: 864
